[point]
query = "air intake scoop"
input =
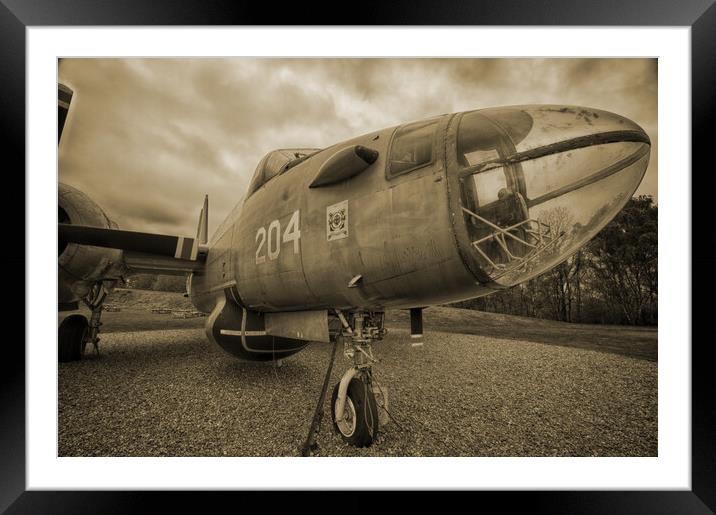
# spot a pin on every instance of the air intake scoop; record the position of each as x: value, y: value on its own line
x: 344, y: 164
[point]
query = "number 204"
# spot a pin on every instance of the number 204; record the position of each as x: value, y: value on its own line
x: 269, y: 240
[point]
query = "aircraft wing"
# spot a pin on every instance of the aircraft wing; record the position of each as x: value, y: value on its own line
x: 143, y: 252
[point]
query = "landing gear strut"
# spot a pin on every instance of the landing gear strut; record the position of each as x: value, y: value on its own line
x: 75, y: 331
x: 353, y: 403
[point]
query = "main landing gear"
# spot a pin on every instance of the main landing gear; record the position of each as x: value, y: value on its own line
x: 353, y: 403
x: 75, y: 331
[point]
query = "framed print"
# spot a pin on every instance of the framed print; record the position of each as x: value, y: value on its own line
x: 306, y: 184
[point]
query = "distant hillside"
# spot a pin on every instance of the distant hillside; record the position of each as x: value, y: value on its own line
x: 172, y: 283
x: 147, y: 299
x: 640, y: 342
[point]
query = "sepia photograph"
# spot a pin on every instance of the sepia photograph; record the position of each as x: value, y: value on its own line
x: 382, y: 257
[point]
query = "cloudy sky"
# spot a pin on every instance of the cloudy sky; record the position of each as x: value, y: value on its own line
x: 147, y: 138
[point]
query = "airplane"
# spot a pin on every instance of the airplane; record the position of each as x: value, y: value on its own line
x: 435, y: 211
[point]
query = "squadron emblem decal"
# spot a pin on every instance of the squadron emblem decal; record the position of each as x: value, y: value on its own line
x: 337, y: 221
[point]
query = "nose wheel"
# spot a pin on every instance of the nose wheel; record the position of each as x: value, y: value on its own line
x: 358, y: 423
x: 353, y: 404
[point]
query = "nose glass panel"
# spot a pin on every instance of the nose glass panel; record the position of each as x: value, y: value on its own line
x: 556, y: 174
x: 538, y: 183
x: 517, y: 237
x: 536, y: 126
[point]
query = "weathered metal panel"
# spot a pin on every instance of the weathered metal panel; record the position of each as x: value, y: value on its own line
x: 397, y: 236
x: 270, y: 236
x: 299, y: 325
x: 330, y: 263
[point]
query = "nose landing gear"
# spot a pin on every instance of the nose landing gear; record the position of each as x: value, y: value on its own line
x: 353, y: 403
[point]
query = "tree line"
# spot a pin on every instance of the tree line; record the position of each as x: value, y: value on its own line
x: 612, y: 280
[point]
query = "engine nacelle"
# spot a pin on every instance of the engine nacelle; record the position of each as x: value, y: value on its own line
x: 82, y: 266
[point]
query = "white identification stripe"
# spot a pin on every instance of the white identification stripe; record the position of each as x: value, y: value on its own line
x: 230, y: 332
x: 416, y: 335
x: 180, y: 244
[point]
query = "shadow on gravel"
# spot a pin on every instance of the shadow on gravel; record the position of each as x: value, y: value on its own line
x: 145, y: 347
x: 247, y: 371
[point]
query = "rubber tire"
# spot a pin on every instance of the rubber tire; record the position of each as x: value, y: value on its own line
x: 71, y: 335
x: 364, y: 434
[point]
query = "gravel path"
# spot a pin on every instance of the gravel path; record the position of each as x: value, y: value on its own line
x: 172, y: 393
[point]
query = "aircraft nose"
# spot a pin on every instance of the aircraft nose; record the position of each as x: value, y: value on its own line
x: 540, y: 181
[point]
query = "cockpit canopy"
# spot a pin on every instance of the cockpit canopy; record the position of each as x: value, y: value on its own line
x: 276, y: 162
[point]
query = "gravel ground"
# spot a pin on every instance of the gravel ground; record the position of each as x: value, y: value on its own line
x: 172, y: 393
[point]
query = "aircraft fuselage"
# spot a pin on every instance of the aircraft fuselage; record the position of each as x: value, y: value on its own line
x: 407, y: 236
x: 398, y: 238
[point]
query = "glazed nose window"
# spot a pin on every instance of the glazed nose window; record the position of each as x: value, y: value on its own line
x: 557, y: 174
x: 537, y: 182
x: 488, y: 186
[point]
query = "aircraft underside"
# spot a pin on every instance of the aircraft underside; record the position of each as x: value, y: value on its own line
x: 242, y: 333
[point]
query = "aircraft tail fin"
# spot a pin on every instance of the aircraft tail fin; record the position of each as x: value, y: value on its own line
x: 64, y: 98
x: 202, y: 230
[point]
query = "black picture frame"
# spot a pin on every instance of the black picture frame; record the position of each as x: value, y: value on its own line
x: 700, y: 15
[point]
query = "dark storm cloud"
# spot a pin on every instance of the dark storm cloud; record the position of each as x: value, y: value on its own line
x: 146, y: 138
